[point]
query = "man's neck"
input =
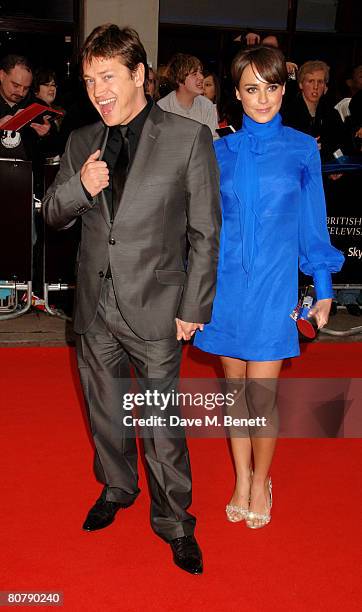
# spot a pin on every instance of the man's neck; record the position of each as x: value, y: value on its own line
x: 138, y: 107
x: 312, y: 106
x: 185, y: 98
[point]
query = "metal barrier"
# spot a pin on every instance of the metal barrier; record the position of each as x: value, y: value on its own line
x: 16, y: 243
x: 59, y: 252
x: 345, y: 228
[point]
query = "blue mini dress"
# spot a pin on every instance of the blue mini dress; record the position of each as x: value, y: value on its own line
x: 273, y: 218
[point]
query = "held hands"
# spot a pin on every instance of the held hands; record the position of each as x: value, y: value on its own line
x: 42, y: 129
x: 94, y: 174
x: 185, y: 330
x: 320, y: 312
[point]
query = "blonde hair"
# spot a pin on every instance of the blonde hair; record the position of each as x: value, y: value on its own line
x: 312, y: 66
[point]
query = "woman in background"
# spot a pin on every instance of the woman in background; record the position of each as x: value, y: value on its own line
x: 212, y: 91
x: 273, y: 215
x: 45, y: 90
x: 211, y: 87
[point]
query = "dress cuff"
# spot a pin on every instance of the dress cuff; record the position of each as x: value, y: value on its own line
x: 323, y: 284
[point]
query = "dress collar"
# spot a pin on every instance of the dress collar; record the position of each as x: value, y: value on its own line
x: 262, y: 130
x: 257, y: 133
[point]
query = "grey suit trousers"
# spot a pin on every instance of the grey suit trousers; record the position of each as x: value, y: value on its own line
x: 105, y: 353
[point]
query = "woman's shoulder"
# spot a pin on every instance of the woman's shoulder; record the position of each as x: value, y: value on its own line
x: 227, y: 143
x: 300, y: 138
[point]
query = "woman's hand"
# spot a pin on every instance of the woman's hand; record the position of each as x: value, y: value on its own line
x: 320, y: 312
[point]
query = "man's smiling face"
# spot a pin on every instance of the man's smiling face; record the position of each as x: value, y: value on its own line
x: 115, y: 91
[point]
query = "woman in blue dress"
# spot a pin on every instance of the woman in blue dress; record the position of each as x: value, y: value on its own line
x: 273, y: 217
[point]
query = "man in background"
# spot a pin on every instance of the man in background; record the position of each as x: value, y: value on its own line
x: 15, y: 81
x: 312, y: 113
x: 185, y: 73
x: 16, y: 77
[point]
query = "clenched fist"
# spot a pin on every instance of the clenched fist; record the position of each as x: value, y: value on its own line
x: 94, y: 174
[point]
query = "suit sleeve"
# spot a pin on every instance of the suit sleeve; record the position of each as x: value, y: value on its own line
x: 66, y: 199
x: 317, y: 257
x: 203, y: 227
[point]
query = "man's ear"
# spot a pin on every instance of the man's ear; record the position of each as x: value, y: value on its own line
x: 325, y: 89
x: 138, y: 75
x: 300, y: 86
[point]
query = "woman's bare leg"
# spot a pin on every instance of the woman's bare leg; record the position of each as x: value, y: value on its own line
x: 263, y: 447
x: 235, y: 370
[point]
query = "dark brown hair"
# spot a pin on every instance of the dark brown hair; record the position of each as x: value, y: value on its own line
x: 216, y: 85
x: 180, y: 66
x: 108, y: 40
x: 10, y: 61
x: 269, y: 62
x: 43, y: 76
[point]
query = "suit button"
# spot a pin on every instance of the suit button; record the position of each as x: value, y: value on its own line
x: 112, y: 241
x: 101, y: 274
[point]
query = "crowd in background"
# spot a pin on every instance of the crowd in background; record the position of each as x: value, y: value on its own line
x: 307, y: 106
x: 186, y: 87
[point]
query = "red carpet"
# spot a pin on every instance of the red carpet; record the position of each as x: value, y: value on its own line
x: 308, y: 558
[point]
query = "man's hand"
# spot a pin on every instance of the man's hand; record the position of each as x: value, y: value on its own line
x: 320, y: 312
x: 5, y: 119
x: 42, y: 129
x: 252, y: 39
x: 185, y: 330
x: 94, y: 174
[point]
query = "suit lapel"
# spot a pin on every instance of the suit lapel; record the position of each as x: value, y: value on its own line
x: 149, y: 136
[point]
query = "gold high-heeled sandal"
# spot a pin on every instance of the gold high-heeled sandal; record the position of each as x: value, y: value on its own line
x: 264, y: 518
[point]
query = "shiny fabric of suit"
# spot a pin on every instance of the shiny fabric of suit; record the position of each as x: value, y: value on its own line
x: 171, y: 198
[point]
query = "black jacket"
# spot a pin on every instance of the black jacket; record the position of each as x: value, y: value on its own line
x: 327, y: 124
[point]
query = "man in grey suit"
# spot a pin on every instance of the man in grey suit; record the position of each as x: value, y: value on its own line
x: 145, y: 184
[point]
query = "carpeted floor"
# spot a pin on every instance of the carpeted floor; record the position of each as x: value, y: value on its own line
x: 308, y: 558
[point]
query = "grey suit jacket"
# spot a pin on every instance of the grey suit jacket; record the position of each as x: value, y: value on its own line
x: 171, y: 194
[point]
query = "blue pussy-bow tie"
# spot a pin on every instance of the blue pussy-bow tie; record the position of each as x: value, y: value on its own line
x: 252, y: 143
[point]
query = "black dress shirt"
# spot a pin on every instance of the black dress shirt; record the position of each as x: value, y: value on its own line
x: 115, y: 142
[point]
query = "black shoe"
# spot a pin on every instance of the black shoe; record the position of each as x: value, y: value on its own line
x: 353, y: 309
x: 187, y: 554
x: 102, y: 513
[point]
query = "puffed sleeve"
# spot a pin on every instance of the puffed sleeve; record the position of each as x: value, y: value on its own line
x: 317, y: 257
